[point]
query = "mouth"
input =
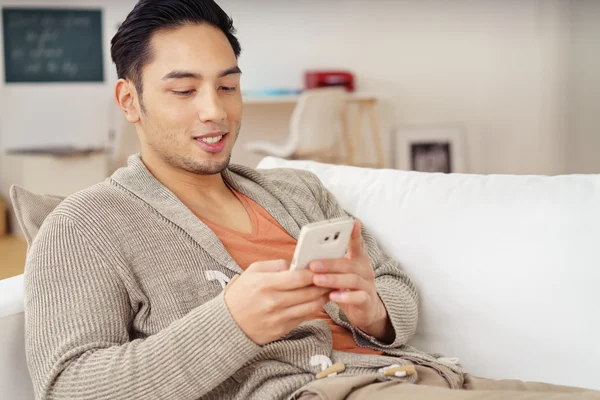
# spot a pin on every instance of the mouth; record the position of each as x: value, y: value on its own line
x: 213, y: 142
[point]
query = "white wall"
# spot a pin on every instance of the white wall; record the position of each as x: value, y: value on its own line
x: 583, y: 147
x: 56, y: 113
x: 495, y: 67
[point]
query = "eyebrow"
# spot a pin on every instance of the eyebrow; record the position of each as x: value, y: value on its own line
x: 181, y: 74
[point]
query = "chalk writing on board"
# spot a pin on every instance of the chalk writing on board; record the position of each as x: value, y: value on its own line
x: 52, y: 45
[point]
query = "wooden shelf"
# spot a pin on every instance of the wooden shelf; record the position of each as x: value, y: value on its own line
x: 291, y: 99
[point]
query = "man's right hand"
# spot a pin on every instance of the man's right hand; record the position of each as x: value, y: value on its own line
x: 268, y: 300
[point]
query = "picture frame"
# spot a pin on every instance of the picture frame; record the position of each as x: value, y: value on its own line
x: 429, y: 148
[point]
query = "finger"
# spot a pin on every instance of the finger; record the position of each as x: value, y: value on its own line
x: 304, y: 310
x: 357, y: 245
x: 269, y: 266
x: 305, y: 295
x: 340, y: 281
x: 351, y: 297
x: 339, y: 266
x: 276, y: 274
x: 288, y: 280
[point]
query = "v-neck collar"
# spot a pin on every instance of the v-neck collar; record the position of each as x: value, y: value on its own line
x: 138, y: 180
x: 252, y: 216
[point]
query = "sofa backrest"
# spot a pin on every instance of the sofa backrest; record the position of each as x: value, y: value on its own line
x: 508, y: 267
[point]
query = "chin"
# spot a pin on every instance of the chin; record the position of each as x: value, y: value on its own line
x: 205, y: 167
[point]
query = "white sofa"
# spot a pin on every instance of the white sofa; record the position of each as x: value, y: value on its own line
x: 508, y: 269
x: 14, y: 377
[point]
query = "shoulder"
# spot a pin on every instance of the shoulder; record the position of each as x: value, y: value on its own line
x: 96, y: 202
x: 285, y: 177
x: 34, y: 210
x: 103, y: 213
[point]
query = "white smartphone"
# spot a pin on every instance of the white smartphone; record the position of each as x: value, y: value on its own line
x: 323, y: 240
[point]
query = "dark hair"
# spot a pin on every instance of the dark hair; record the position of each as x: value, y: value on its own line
x: 130, y: 47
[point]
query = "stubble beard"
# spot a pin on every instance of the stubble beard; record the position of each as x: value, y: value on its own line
x: 187, y: 162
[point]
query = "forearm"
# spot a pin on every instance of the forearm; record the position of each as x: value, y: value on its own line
x: 79, y: 321
x: 184, y: 361
x: 401, y: 303
x: 396, y: 326
x: 381, y: 328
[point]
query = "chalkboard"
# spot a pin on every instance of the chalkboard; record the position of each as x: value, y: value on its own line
x: 52, y: 45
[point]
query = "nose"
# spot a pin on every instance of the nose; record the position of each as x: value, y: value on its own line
x: 211, y: 108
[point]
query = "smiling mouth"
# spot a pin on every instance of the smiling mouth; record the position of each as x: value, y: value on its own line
x: 212, y: 139
x: 214, y: 143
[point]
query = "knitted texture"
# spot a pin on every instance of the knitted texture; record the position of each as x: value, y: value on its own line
x: 122, y: 301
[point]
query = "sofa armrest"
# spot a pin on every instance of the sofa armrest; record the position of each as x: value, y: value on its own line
x: 15, y: 382
x: 11, y: 296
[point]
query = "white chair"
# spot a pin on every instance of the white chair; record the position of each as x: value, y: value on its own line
x: 317, y: 125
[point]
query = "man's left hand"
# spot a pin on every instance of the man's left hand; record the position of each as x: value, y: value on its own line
x: 353, y: 282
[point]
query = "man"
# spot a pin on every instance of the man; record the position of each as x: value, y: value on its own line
x: 129, y: 288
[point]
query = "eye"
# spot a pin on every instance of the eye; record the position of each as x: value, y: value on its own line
x: 227, y: 88
x: 184, y: 92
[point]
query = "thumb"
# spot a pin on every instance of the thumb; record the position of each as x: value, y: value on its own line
x: 269, y: 266
x: 356, y: 246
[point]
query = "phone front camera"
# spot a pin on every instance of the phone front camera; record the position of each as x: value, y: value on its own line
x: 326, y: 238
x: 337, y: 235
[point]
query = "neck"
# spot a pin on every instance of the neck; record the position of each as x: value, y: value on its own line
x: 189, y: 187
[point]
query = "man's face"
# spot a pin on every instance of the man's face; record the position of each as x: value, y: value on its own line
x: 192, y: 105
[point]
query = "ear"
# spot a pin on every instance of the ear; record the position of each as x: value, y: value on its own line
x: 126, y: 97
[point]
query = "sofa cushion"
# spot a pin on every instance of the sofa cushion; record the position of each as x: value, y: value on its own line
x: 507, y: 267
x: 31, y: 209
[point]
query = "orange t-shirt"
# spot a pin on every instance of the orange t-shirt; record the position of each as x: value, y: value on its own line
x: 270, y: 241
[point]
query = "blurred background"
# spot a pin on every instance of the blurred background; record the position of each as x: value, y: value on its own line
x: 475, y: 86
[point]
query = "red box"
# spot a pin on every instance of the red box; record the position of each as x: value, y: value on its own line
x: 320, y: 79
